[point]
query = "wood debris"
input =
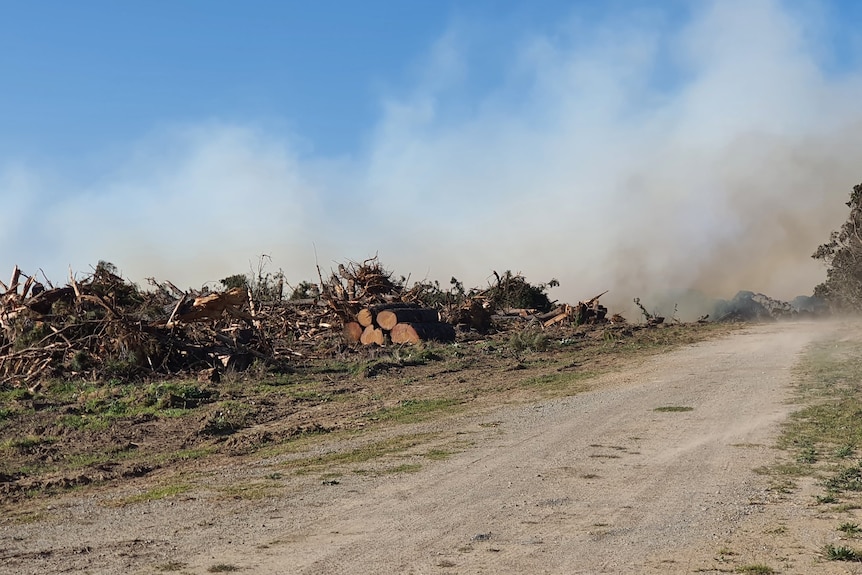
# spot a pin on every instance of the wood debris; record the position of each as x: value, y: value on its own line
x: 101, y: 326
x: 398, y: 322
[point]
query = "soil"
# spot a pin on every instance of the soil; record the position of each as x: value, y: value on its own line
x: 650, y: 468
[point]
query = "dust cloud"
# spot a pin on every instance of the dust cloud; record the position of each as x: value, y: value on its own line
x: 639, y: 154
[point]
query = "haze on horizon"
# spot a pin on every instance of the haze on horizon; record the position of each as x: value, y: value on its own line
x: 644, y: 148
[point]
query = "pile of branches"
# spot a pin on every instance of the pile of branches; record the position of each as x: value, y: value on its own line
x: 355, y: 286
x: 511, y: 297
x: 103, y: 327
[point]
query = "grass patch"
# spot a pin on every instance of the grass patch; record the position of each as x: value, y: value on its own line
x: 559, y: 383
x: 222, y: 568
x: 673, y: 408
x: 850, y: 529
x: 528, y: 340
x: 844, y: 451
x: 228, y: 417
x: 362, y: 454
x: 171, y: 566
x: 755, y: 569
x: 807, y: 455
x: 414, y: 410
x: 6, y: 413
x: 826, y: 499
x: 824, y: 433
x: 25, y: 444
x: 181, y: 395
x: 27, y: 516
x: 249, y: 491
x: 846, y: 479
x: 841, y: 553
x: 437, y: 454
x: 404, y: 468
x: 155, y: 494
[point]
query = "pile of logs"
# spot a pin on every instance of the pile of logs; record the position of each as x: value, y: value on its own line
x: 397, y: 322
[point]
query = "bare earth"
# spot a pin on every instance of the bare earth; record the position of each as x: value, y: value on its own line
x: 599, y: 482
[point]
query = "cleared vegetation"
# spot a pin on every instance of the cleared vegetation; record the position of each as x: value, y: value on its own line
x: 75, y: 434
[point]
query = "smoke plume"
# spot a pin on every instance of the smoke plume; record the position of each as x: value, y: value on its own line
x: 638, y: 154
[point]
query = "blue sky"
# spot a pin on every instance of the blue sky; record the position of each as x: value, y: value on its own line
x: 93, y: 73
x: 627, y: 145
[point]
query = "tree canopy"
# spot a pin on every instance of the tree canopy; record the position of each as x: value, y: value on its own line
x: 842, y: 255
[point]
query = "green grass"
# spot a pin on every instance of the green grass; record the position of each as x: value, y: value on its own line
x: 228, y: 417
x: 528, y: 340
x: 398, y: 357
x: 97, y: 406
x: 841, y: 553
x: 849, y: 528
x: 171, y: 566
x: 155, y: 494
x: 414, y: 410
x: 673, y: 408
x: 178, y: 394
x: 404, y: 468
x: 249, y: 491
x: 362, y: 454
x: 807, y: 455
x: 844, y: 451
x: 15, y: 394
x: 438, y: 454
x: 6, y: 413
x: 560, y: 383
x: 25, y: 444
x: 827, y: 498
x: 755, y: 569
x: 222, y: 568
x: 823, y: 434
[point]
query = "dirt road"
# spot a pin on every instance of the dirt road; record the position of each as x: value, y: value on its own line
x: 600, y: 482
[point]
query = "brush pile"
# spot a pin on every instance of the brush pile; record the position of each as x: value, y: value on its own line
x: 511, y: 300
x: 374, y: 309
x: 102, y: 327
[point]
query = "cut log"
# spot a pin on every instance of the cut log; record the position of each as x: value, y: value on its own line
x: 352, y: 332
x: 416, y: 332
x: 372, y: 335
x: 387, y: 318
x: 212, y: 306
x: 556, y: 319
x: 517, y: 312
x: 553, y: 313
x: 365, y: 317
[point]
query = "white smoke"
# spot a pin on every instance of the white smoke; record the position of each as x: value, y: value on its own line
x: 631, y: 155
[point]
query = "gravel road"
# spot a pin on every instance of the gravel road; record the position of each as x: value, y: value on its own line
x: 600, y: 482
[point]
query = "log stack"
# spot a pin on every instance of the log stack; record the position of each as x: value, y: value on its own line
x: 397, y: 322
